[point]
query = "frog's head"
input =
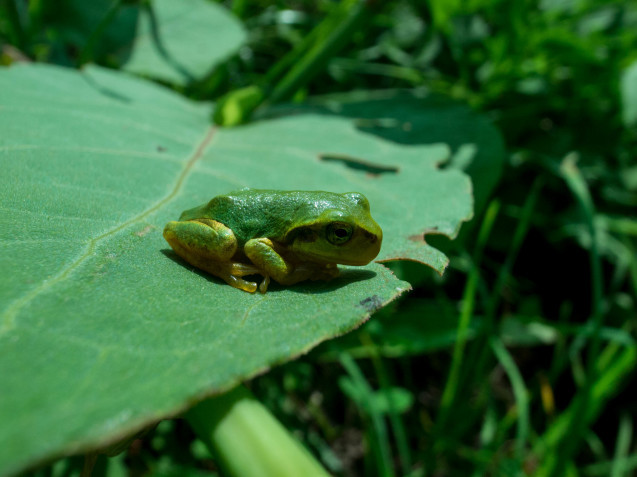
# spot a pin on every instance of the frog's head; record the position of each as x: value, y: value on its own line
x: 344, y: 232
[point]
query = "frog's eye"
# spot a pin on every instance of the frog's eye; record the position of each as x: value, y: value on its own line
x: 338, y: 233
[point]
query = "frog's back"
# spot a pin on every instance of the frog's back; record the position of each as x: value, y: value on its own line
x: 252, y: 213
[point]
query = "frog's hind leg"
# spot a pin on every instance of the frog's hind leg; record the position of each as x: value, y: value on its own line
x: 203, y: 238
x: 210, y: 246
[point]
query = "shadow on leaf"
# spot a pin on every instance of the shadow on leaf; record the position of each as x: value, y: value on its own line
x: 346, y: 277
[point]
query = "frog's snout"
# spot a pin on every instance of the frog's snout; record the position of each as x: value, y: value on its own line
x: 374, y: 241
x: 372, y: 238
x: 367, y: 246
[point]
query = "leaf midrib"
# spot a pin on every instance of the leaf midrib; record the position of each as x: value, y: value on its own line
x: 7, y: 323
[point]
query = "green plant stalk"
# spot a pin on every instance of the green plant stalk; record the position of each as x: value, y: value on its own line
x: 87, y: 52
x: 608, y: 379
x: 576, y: 183
x: 561, y: 452
x: 36, y: 11
x: 237, y: 106
x: 622, y: 448
x: 404, y: 73
x: 247, y: 439
x: 379, y: 441
x: 17, y: 34
x: 481, y: 352
x: 483, y: 346
x: 355, y: 12
x: 516, y: 243
x: 633, y: 264
x: 394, y: 417
x: 602, y: 469
x: 519, y: 391
x: 561, y: 349
x: 89, y: 464
x: 612, y: 354
x: 468, y: 303
x: 596, y: 446
x: 306, y: 44
x: 296, y: 68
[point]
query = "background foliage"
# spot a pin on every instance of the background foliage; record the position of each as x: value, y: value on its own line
x: 519, y: 360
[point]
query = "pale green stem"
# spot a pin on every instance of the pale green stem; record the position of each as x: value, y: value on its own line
x: 247, y: 439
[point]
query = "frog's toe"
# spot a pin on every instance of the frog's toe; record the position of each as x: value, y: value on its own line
x: 241, y: 284
x: 263, y: 287
x: 239, y: 269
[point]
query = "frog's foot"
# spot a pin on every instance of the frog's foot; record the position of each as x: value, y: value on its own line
x: 240, y: 283
x: 240, y: 269
x: 230, y: 272
x: 210, y: 245
x: 271, y: 264
x: 235, y: 271
x: 262, y: 252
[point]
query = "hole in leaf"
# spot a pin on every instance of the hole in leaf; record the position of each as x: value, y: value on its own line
x: 359, y: 164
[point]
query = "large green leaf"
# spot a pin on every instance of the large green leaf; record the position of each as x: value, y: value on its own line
x: 176, y: 42
x: 419, y: 117
x: 102, y: 329
x: 182, y: 41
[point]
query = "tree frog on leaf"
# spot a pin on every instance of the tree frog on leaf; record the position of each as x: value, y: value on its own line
x: 289, y: 236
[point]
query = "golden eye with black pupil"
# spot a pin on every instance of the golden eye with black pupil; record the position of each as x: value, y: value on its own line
x: 338, y: 233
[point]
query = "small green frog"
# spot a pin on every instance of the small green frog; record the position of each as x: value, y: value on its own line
x: 289, y: 236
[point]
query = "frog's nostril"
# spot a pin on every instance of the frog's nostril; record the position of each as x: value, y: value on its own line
x: 370, y: 237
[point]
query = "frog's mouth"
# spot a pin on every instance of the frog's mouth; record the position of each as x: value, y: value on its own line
x: 356, y: 263
x: 362, y: 255
x: 327, y: 259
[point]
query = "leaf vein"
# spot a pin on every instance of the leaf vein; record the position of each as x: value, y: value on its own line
x: 8, y: 317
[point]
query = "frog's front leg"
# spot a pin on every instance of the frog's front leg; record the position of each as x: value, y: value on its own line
x: 210, y: 246
x: 263, y: 253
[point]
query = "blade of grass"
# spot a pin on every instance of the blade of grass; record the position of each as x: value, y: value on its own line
x: 481, y: 350
x: 519, y: 235
x: 14, y: 25
x: 596, y: 446
x: 466, y: 313
x: 613, y: 366
x: 349, y: 17
x: 490, y: 424
x: 520, y: 393
x: 404, y: 73
x: 299, y: 66
x: 560, y: 453
x: 87, y: 53
x: 602, y: 469
x: 379, y: 440
x: 395, y: 419
x: 576, y: 183
x: 624, y: 437
x: 633, y: 264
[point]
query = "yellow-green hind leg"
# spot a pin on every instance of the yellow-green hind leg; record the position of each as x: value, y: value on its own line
x: 209, y: 245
